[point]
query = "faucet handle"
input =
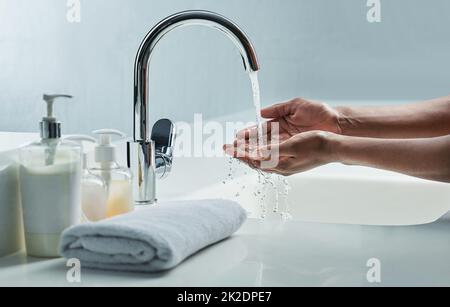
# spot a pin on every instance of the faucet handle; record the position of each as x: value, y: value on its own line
x: 163, y: 135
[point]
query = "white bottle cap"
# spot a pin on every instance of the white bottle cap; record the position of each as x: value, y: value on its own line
x: 105, y: 151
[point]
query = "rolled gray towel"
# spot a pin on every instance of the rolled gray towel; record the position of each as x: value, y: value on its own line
x: 152, y: 239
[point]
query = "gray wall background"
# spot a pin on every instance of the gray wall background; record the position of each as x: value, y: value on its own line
x: 321, y: 49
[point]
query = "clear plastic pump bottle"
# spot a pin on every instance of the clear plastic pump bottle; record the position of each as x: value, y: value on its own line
x: 50, y: 174
x: 117, y: 178
x: 93, y: 188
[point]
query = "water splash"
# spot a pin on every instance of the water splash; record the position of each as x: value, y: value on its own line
x: 265, y: 181
x: 231, y: 169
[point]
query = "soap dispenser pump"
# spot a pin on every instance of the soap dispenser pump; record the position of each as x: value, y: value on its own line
x: 117, y: 178
x: 50, y: 127
x: 93, y: 187
x: 50, y: 174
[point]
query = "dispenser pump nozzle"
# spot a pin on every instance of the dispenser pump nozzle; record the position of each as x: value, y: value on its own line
x: 105, y: 151
x: 50, y: 127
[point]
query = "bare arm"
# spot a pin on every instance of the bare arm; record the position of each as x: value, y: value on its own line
x: 427, y: 158
x: 412, y: 139
x: 425, y: 119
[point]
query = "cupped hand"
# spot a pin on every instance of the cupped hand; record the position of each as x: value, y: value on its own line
x: 296, y: 116
x: 298, y: 153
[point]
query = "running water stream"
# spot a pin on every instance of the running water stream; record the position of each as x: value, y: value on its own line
x: 266, y: 180
x: 257, y: 104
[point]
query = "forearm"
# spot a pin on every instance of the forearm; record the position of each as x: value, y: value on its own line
x: 427, y: 158
x: 425, y: 119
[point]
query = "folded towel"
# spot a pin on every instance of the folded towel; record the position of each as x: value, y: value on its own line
x: 152, y: 239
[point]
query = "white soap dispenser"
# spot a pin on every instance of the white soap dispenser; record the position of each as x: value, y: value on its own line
x: 117, y: 178
x: 93, y: 188
x: 50, y: 176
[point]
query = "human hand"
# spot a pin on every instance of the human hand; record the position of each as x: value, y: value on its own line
x: 299, y: 153
x: 296, y: 116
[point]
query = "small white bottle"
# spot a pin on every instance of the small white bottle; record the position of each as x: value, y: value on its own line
x: 50, y: 174
x: 93, y: 188
x: 117, y: 178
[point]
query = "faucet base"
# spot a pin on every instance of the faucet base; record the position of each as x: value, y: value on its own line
x: 141, y: 162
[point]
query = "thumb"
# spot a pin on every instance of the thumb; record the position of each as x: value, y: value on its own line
x: 277, y: 110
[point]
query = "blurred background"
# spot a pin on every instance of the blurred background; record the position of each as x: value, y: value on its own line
x: 319, y: 49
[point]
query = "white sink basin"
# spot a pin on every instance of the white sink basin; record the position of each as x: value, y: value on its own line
x: 330, y: 194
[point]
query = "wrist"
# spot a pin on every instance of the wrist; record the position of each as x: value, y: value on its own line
x: 345, y: 120
x: 333, y: 144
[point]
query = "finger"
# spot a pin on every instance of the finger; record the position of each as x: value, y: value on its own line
x: 253, y: 131
x: 272, y: 151
x: 277, y: 110
x: 256, y: 159
x: 229, y: 150
x: 245, y: 133
x: 238, y: 150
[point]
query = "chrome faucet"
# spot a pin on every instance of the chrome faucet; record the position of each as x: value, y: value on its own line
x: 150, y: 155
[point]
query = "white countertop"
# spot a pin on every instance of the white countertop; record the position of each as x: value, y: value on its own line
x: 267, y: 253
x: 272, y: 253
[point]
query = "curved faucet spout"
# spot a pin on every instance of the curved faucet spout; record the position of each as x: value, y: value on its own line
x: 151, y: 152
x: 141, y: 93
